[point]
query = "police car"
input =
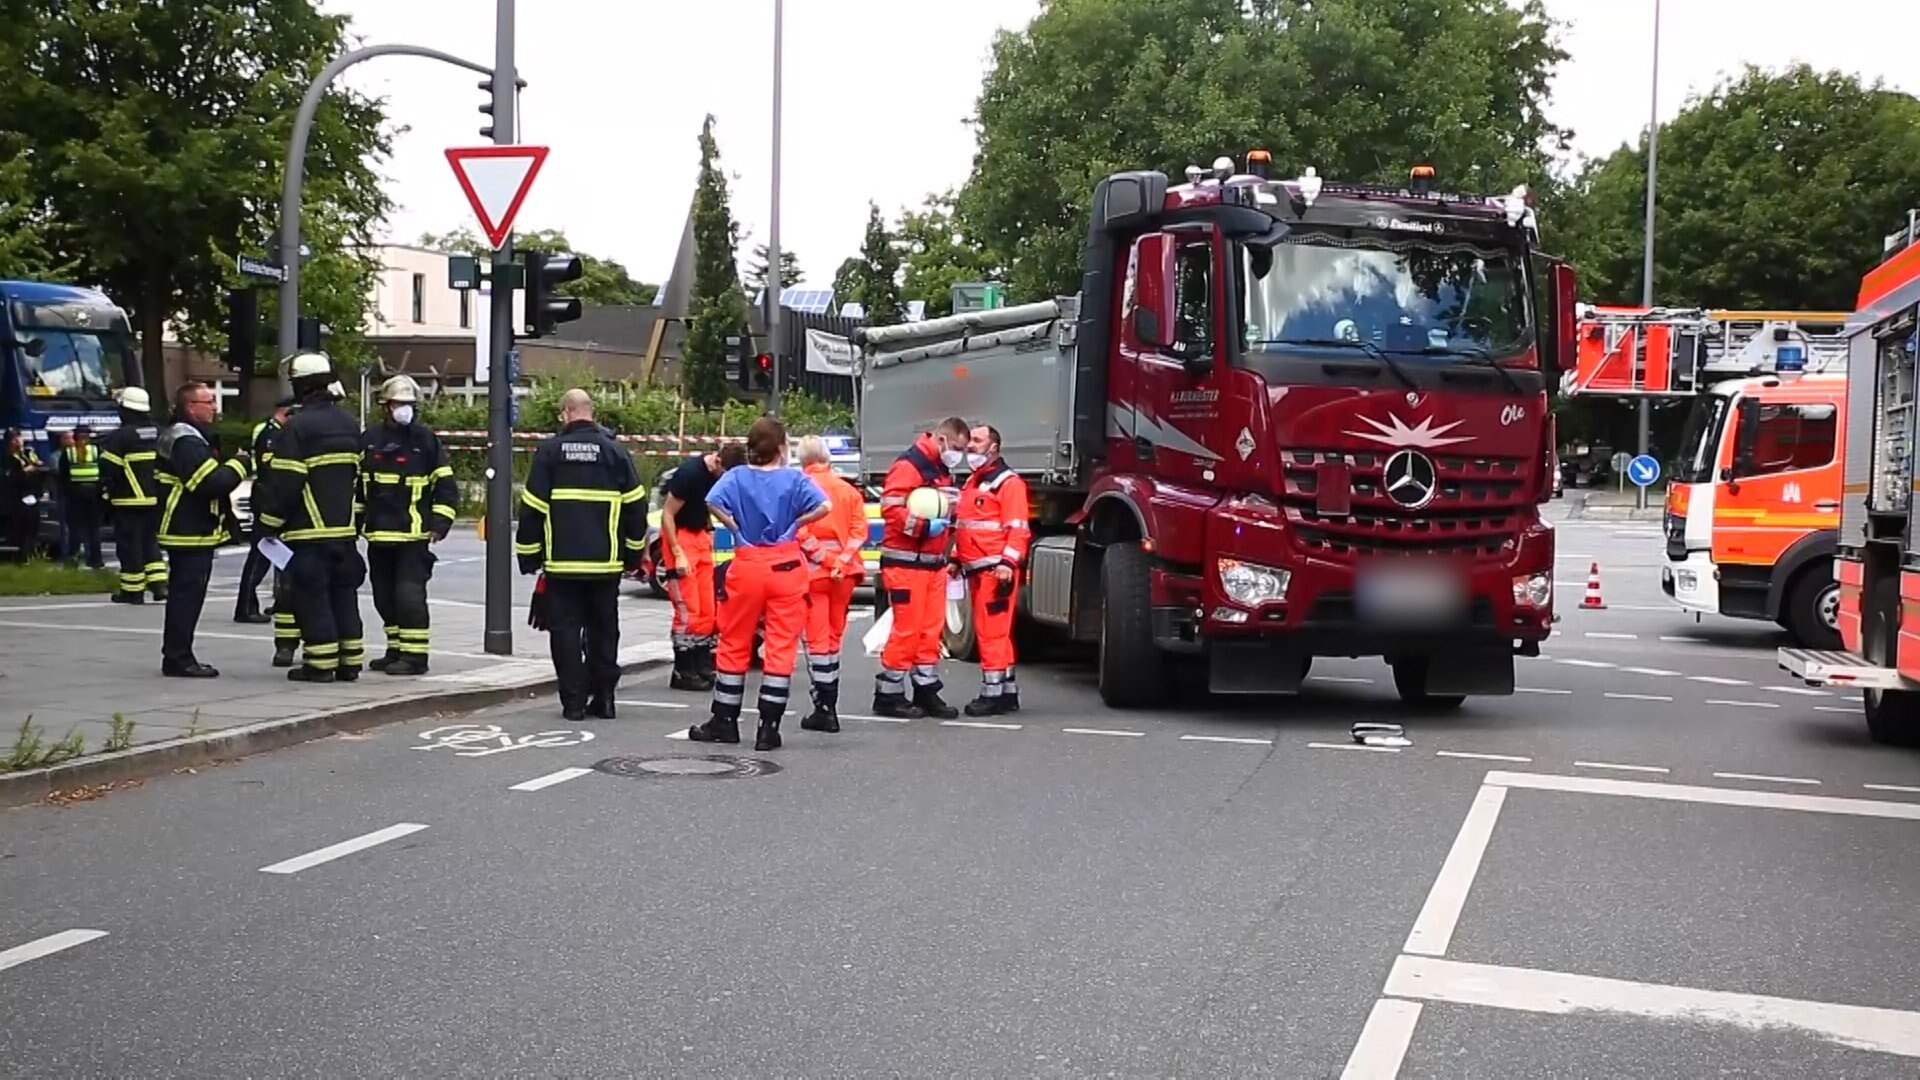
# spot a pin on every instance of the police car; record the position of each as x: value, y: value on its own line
x: 844, y: 454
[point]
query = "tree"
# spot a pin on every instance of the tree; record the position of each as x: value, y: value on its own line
x: 790, y: 273
x: 719, y: 309
x: 1359, y: 89
x: 28, y: 234
x: 938, y: 255
x: 1775, y: 192
x: 846, y: 280
x: 876, y: 283
x: 159, y: 132
x: 602, y: 282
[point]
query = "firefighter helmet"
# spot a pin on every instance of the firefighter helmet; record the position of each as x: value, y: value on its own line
x: 400, y: 390
x: 134, y: 399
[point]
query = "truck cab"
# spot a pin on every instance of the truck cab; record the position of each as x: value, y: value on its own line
x: 1753, y: 510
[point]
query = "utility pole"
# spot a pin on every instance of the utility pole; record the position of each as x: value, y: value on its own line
x: 774, y: 283
x: 1646, y: 269
x: 499, y: 615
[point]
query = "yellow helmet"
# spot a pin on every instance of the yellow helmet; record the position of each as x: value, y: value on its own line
x: 400, y: 389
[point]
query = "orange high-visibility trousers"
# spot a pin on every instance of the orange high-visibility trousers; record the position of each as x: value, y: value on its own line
x: 993, y: 604
x: 827, y: 603
x: 917, y: 598
x: 690, y: 588
x: 766, y: 586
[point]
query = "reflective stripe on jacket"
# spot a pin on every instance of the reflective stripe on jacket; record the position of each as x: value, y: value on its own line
x: 903, y: 538
x: 992, y: 528
x: 196, y: 484
x: 835, y: 541
x: 310, y: 492
x: 583, y: 512
x: 407, y: 490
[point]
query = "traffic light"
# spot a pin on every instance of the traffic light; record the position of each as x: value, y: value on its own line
x: 243, y: 329
x: 741, y: 346
x: 763, y: 371
x: 486, y: 110
x: 546, y: 308
x: 307, y: 335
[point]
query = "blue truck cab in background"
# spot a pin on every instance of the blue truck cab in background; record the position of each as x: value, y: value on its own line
x: 65, y: 351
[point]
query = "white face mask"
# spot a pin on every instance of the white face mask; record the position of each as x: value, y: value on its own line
x: 951, y: 458
x: 975, y: 461
x: 403, y: 415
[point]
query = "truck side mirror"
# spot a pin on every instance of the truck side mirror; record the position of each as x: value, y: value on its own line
x: 1154, y: 285
x: 1746, y: 440
x: 1566, y: 298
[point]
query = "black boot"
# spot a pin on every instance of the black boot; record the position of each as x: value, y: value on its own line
x: 382, y: 663
x: 600, y: 706
x: 895, y: 707
x: 307, y: 673
x: 1010, y: 701
x: 159, y: 592
x: 130, y: 598
x: 572, y: 712
x: 988, y: 706
x: 283, y: 655
x: 826, y: 715
x: 401, y: 665
x: 768, y: 737
x: 248, y: 611
x: 927, y: 700
x: 717, y: 729
x: 689, y: 674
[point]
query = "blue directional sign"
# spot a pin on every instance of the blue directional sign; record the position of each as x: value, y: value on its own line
x: 1643, y: 470
x: 1790, y: 359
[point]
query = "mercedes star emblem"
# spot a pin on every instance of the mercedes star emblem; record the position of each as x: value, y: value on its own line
x: 1410, y: 479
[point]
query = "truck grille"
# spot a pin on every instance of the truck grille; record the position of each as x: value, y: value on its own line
x: 1477, y: 511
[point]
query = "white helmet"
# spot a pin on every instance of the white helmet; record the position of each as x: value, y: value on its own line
x: 134, y: 399
x: 400, y: 389
x: 305, y: 365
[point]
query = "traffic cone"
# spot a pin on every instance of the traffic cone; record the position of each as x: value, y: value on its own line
x: 1592, y: 601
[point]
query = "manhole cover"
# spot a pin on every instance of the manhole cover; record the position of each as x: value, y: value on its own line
x: 691, y: 767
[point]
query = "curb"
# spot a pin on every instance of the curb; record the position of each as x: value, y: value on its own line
x: 231, y: 744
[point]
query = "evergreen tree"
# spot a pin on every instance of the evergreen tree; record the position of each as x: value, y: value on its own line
x: 719, y: 308
x: 790, y: 273
x: 878, y: 279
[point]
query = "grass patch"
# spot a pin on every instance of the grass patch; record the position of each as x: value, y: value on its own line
x: 41, y: 577
x: 30, y: 751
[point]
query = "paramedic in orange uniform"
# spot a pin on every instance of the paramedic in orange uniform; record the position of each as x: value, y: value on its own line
x: 832, y: 545
x: 765, y: 505
x: 913, y: 570
x: 686, y: 553
x: 991, y: 547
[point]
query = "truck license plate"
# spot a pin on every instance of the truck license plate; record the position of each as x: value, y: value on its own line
x: 1409, y: 594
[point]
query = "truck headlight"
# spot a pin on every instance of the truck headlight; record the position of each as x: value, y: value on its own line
x: 1248, y: 584
x: 1533, y: 590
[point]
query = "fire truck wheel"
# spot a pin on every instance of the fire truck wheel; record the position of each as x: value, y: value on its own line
x: 1893, y: 716
x: 1410, y: 679
x: 1132, y: 668
x: 1812, y: 614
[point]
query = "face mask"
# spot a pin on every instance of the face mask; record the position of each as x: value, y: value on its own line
x: 951, y: 458
x: 403, y: 415
x: 975, y: 461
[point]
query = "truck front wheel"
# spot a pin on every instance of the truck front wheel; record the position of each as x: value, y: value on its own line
x: 1893, y: 716
x: 1132, y: 668
x: 1813, y: 608
x: 1410, y: 679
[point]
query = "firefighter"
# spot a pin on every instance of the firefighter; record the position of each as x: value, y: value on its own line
x: 308, y: 498
x: 22, y: 488
x: 686, y: 550
x: 80, y: 494
x: 194, y: 520
x: 913, y: 570
x: 131, y: 457
x: 583, y: 523
x: 832, y: 545
x: 246, y: 607
x: 990, y: 546
x: 765, y: 505
x: 407, y: 489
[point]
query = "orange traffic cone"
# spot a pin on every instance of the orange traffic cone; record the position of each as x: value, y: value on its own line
x: 1592, y: 601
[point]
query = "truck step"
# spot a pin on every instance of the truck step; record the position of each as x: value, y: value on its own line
x: 1830, y: 667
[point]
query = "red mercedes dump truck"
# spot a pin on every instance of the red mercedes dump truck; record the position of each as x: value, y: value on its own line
x: 1282, y: 419
x: 1876, y: 565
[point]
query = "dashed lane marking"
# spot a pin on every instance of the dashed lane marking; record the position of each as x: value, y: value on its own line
x: 1764, y: 778
x: 1353, y: 746
x: 1892, y: 787
x: 1102, y: 731
x: 1687, y: 639
x: 1475, y: 756
x: 1538, y: 690
x: 1638, y: 697
x: 550, y: 779
x: 47, y: 946
x: 1649, y: 671
x: 342, y: 849
x: 1226, y: 739
x: 1801, y: 690
x: 1835, y: 708
x: 1719, y: 680
x: 872, y: 719
x: 1744, y: 704
x: 1620, y: 767
x: 981, y: 724
x: 654, y: 704
x: 1611, y: 636
x: 1588, y: 663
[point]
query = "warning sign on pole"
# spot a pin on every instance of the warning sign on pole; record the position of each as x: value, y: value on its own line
x: 496, y: 180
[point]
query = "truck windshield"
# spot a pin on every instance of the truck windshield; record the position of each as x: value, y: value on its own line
x: 1700, y: 440
x: 1408, y: 296
x: 86, y: 352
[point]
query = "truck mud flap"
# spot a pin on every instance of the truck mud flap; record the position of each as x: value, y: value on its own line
x: 1255, y: 667
x: 1476, y: 673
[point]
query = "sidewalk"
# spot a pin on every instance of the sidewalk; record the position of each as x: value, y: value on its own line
x: 72, y: 663
x: 1608, y: 504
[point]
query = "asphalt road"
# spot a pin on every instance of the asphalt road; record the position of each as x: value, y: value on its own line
x: 1661, y: 859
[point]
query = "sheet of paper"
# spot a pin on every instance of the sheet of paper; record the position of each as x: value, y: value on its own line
x: 956, y: 588
x: 276, y: 551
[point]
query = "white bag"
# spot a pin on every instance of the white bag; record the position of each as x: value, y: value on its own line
x: 875, y: 638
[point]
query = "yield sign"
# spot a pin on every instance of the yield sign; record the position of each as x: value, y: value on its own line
x: 496, y: 180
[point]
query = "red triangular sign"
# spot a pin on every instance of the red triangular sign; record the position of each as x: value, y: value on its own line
x: 496, y: 180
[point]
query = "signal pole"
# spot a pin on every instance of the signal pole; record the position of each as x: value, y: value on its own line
x: 774, y: 285
x: 499, y: 615
x: 1646, y: 269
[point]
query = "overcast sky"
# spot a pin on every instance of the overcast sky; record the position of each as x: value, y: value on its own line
x: 877, y: 98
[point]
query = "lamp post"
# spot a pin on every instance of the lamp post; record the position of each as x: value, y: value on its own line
x: 1646, y: 268
x: 774, y: 284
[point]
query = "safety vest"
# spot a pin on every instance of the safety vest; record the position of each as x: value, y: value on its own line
x: 834, y: 541
x: 83, y: 465
x: 919, y: 466
x: 991, y: 522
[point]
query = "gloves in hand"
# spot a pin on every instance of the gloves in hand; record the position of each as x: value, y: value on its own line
x: 537, y: 616
x: 936, y: 526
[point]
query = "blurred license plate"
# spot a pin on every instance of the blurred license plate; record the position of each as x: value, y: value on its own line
x: 1409, y: 594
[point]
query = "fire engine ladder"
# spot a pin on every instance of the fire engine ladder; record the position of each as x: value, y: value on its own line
x: 1675, y: 352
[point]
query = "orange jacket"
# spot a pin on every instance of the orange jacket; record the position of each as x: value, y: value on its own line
x: 905, y: 539
x: 992, y: 525
x: 835, y: 540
